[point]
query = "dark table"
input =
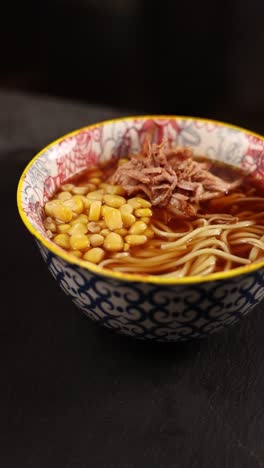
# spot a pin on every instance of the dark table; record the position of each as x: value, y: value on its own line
x: 74, y: 395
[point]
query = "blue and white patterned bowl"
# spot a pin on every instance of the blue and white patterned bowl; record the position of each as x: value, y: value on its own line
x: 152, y: 307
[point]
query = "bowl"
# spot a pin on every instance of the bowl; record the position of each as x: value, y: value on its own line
x: 149, y: 307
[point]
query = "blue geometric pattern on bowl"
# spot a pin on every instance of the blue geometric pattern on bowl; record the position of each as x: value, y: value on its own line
x: 157, y: 312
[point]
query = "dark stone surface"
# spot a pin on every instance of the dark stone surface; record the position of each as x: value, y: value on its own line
x: 73, y: 395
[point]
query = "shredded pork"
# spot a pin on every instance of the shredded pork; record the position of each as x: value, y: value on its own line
x: 171, y: 177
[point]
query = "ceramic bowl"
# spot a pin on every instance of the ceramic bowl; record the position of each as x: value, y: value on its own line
x: 149, y: 307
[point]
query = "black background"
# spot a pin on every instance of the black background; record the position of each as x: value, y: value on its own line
x: 192, y: 58
x: 73, y: 395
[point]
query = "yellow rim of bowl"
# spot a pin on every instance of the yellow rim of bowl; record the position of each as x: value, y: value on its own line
x: 134, y: 277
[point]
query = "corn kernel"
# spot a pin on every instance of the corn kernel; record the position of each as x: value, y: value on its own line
x: 87, y: 203
x: 63, y: 240
x: 138, y: 227
x: 95, y: 172
x: 64, y: 196
x: 123, y: 232
x: 79, y: 242
x: 90, y: 187
x: 143, y: 212
x: 78, y: 228
x: 145, y: 219
x: 96, y: 240
x: 80, y: 190
x: 95, y: 210
x: 49, y: 224
x: 113, y: 189
x: 149, y: 233
x: 138, y: 202
x: 76, y: 253
x: 104, y: 232
x: 113, y: 242
x: 115, y: 201
x: 126, y: 247
x: 94, y: 227
x: 62, y: 228
x: 126, y: 209
x: 62, y: 213
x: 102, y: 222
x: 94, y: 255
x: 67, y: 187
x: 49, y: 207
x: 113, y: 219
x: 136, y: 239
x: 49, y: 234
x: 144, y: 203
x: 95, y: 195
x: 75, y: 204
x: 95, y: 180
x: 128, y: 219
x: 82, y: 218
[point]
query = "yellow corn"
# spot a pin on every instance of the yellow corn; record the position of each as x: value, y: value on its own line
x: 50, y: 224
x: 76, y: 253
x: 80, y: 190
x: 49, y: 233
x: 149, y: 233
x: 134, y: 203
x: 90, y: 187
x: 87, y: 203
x: 78, y: 228
x: 126, y: 247
x: 94, y: 227
x: 95, y: 210
x: 96, y: 240
x: 63, y: 240
x: 62, y: 213
x: 94, y: 255
x: 49, y: 206
x: 128, y: 219
x: 105, y: 232
x: 79, y: 242
x: 62, y: 228
x: 64, y: 196
x: 113, y: 189
x: 145, y: 219
x: 144, y: 203
x: 115, y: 201
x: 138, y: 202
x: 126, y: 209
x: 123, y: 232
x: 82, y: 218
x: 113, y: 242
x: 143, y: 212
x: 95, y: 195
x: 138, y: 227
x: 102, y: 222
x: 113, y: 219
x: 75, y: 204
x: 67, y: 187
x: 136, y: 239
x: 95, y: 180
x: 95, y: 172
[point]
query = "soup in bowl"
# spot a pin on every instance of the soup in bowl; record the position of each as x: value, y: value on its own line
x: 153, y: 225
